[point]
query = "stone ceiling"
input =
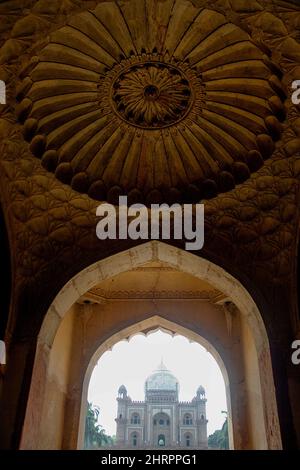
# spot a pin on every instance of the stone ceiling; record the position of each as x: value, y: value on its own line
x: 151, y: 282
x: 92, y: 112
x: 177, y: 105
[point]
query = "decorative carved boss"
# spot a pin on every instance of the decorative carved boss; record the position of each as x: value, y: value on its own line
x: 177, y: 106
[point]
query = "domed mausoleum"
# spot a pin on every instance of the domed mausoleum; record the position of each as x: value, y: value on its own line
x: 161, y: 420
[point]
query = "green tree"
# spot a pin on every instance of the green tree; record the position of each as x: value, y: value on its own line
x: 95, y: 435
x: 219, y: 439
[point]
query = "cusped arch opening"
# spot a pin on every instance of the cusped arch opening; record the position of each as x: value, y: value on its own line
x: 147, y: 327
x: 261, y: 418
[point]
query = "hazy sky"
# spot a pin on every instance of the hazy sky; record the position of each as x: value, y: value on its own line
x: 130, y: 363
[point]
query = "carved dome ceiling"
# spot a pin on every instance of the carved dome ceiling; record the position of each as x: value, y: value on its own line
x: 172, y: 100
x: 160, y: 101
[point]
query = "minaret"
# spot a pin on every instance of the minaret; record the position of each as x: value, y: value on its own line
x: 201, y: 418
x: 121, y: 419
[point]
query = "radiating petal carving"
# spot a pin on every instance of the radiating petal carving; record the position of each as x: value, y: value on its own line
x: 157, y: 100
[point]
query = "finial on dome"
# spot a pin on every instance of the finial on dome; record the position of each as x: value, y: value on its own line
x: 162, y: 365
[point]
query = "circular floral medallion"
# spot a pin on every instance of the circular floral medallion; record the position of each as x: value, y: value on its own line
x: 152, y: 95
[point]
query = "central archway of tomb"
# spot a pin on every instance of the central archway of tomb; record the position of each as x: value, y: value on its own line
x: 150, y: 286
x: 147, y: 327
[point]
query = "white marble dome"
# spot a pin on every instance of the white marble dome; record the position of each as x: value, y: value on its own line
x: 162, y: 379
